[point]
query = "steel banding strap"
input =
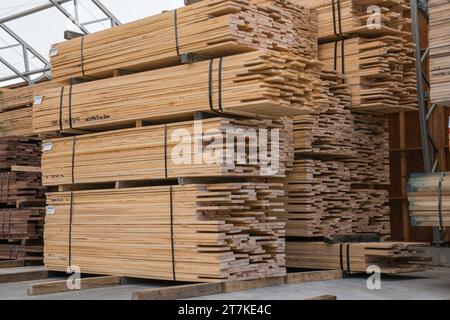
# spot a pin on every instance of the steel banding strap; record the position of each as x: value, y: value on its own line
x: 339, y: 34
x: 348, y: 258
x: 74, y: 143
x: 341, y: 259
x: 61, y: 100
x: 70, y: 102
x: 172, y: 241
x: 441, y: 221
x: 82, y: 56
x: 219, y: 86
x: 166, y: 175
x: 175, y: 25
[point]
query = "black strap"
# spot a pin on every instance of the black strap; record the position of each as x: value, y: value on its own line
x: 211, y: 89
x: 172, y: 241
x: 441, y: 220
x: 341, y: 258
x: 348, y: 258
x: 70, y: 102
x: 166, y: 174
x: 175, y: 26
x: 74, y: 143
x: 82, y: 56
x: 61, y: 101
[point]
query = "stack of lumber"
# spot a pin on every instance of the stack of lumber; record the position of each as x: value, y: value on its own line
x: 317, y: 199
x: 328, y: 131
x: 428, y: 196
x: 29, y: 251
x: 371, y: 150
x: 390, y: 257
x: 351, y: 17
x: 379, y: 71
x: 255, y: 83
x: 21, y: 224
x: 370, y: 212
x: 21, y: 97
x: 18, y: 187
x: 198, y: 232
x: 440, y: 51
x: 19, y: 151
x: 212, y: 28
x: 16, y: 122
x: 158, y: 152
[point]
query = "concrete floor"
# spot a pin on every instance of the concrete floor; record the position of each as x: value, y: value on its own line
x: 433, y: 284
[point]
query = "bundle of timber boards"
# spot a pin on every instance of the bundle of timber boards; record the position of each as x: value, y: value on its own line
x: 425, y: 194
x: 211, y: 28
x: 261, y: 83
x: 12, y: 99
x: 370, y: 212
x: 370, y: 164
x: 317, y: 199
x: 202, y: 233
x: 29, y: 251
x: 337, y: 19
x: 17, y: 122
x: 440, y: 51
x: 17, y: 187
x: 19, y: 151
x: 327, y: 132
x: 378, y: 70
x: 173, y: 151
x: 391, y: 257
x: 21, y: 224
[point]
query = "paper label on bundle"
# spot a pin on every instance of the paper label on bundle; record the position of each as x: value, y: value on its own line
x: 38, y: 100
x: 47, y: 146
x: 50, y: 210
x: 53, y: 52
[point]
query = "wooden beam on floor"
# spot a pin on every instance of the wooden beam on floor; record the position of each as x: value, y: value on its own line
x: 178, y: 292
x: 300, y: 277
x: 324, y: 297
x: 23, y: 276
x: 234, y: 286
x: 11, y: 264
x: 61, y: 286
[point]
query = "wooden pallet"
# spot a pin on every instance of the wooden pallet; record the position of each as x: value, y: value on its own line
x: 424, y: 199
x: 212, y: 28
x: 216, y: 232
x: 390, y: 257
x: 440, y: 51
x: 255, y: 83
x: 158, y: 152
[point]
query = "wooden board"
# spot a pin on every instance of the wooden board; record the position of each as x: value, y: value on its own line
x: 155, y: 152
x: 30, y: 251
x: 440, y: 51
x: 20, y: 187
x: 21, y: 224
x: 213, y: 28
x: 255, y: 83
x: 220, y: 232
x: 391, y: 257
x: 423, y: 197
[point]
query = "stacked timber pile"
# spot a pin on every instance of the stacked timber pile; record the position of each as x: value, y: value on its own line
x: 209, y: 235
x: 22, y: 200
x: 119, y: 208
x: 428, y: 196
x: 16, y: 109
x: 440, y: 51
x: 390, y: 257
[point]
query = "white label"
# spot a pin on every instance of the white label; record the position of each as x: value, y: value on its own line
x: 38, y: 100
x: 47, y: 146
x: 53, y: 52
x: 50, y: 210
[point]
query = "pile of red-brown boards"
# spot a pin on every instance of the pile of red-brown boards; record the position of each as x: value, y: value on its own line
x: 440, y: 51
x: 22, y: 200
x: 172, y: 170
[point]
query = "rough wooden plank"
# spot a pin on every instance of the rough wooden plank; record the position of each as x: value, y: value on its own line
x: 23, y: 276
x: 178, y: 292
x: 234, y: 286
x: 11, y: 264
x: 61, y: 286
x: 300, y: 277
